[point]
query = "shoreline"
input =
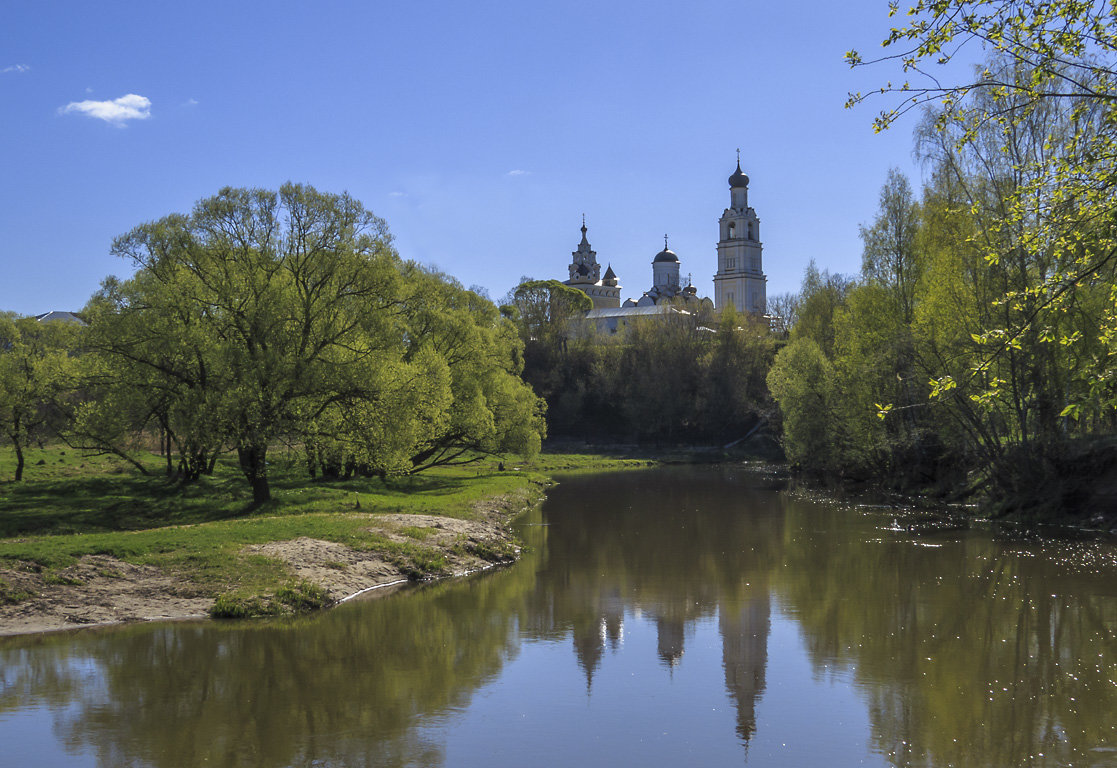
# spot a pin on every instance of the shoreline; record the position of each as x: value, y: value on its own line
x: 100, y: 591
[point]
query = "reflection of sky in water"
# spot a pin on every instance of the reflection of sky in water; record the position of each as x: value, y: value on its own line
x: 640, y: 711
x: 29, y: 738
x: 31, y: 730
x: 661, y: 619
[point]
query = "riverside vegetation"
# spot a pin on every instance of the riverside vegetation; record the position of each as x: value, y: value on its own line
x: 100, y: 513
x: 982, y: 330
x: 973, y: 357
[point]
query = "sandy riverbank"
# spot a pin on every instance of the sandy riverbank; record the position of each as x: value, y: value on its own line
x: 100, y: 590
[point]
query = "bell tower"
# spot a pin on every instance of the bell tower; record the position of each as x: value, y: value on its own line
x: 740, y: 279
x: 584, y: 269
x: 585, y: 275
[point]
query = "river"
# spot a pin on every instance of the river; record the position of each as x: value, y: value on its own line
x: 668, y: 617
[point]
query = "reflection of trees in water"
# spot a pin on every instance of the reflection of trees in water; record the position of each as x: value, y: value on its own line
x: 975, y: 652
x: 351, y: 687
x: 345, y: 688
x: 964, y: 654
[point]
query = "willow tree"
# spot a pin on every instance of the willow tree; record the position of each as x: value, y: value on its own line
x: 264, y: 317
x: 260, y: 308
x: 461, y: 397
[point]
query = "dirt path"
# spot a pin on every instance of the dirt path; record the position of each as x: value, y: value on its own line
x: 102, y: 590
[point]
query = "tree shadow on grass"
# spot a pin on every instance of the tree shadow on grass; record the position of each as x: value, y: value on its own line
x: 407, y: 485
x: 113, y: 503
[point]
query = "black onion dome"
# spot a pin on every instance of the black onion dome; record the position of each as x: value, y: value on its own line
x: 665, y: 255
x: 738, y: 179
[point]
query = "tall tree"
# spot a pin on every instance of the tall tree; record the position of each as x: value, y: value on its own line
x: 35, y: 369
x: 889, y: 256
x: 260, y: 304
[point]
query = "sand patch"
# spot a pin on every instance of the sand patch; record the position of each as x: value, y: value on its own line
x: 341, y: 570
x: 344, y: 571
x: 102, y: 590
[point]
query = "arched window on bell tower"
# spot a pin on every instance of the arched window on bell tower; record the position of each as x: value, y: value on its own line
x: 750, y: 231
x: 732, y: 230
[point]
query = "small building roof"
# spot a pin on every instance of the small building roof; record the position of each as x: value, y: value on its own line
x: 64, y: 317
x: 654, y: 309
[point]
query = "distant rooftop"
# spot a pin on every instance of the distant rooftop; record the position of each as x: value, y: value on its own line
x: 64, y: 317
x: 652, y: 309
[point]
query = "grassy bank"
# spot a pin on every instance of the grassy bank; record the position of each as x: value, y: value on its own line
x: 207, y: 534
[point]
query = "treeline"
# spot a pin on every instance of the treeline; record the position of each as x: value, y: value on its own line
x: 263, y: 319
x: 975, y: 348
x: 683, y: 377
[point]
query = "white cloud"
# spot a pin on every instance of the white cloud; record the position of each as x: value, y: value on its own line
x: 517, y: 172
x: 190, y: 103
x: 117, y: 111
x: 18, y: 68
x: 397, y: 194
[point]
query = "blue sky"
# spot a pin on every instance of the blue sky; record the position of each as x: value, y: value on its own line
x: 480, y: 131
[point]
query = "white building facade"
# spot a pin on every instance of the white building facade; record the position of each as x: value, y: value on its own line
x: 585, y: 275
x: 740, y: 280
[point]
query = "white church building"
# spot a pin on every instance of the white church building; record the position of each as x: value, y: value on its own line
x: 739, y: 281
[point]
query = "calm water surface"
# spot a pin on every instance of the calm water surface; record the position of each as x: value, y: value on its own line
x: 672, y: 617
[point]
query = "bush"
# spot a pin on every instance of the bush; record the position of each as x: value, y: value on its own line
x: 304, y: 596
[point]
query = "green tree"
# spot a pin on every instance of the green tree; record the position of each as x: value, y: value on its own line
x: 35, y: 370
x: 889, y: 256
x: 820, y: 297
x: 1046, y: 101
x: 265, y: 317
x: 733, y: 392
x: 548, y: 312
x: 801, y: 383
x: 491, y: 409
x: 268, y: 309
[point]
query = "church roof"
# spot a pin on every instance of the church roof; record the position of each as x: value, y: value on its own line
x: 666, y: 254
x: 610, y: 274
x: 651, y: 309
x: 738, y: 179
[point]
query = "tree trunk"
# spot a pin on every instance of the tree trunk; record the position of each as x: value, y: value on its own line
x: 253, y: 463
x: 167, y: 452
x: 19, y: 461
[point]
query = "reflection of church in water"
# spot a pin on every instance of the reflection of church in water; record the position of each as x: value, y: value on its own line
x: 743, y: 624
x: 739, y: 281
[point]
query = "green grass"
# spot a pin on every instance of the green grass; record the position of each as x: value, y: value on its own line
x: 295, y: 597
x: 69, y: 506
x: 9, y: 595
x: 416, y: 532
